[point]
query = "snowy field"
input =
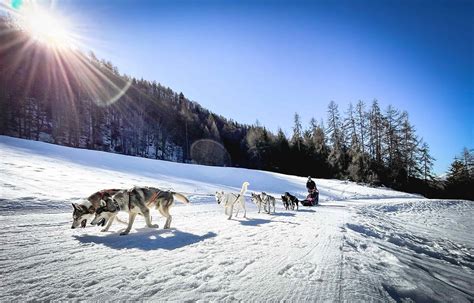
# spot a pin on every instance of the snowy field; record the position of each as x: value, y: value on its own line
x: 361, y: 244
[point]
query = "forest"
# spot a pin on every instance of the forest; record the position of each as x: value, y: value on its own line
x: 78, y: 100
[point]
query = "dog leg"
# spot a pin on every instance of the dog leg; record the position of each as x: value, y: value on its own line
x: 108, y: 224
x: 168, y: 219
x: 231, y: 208
x: 146, y: 214
x: 131, y: 219
x: 165, y: 213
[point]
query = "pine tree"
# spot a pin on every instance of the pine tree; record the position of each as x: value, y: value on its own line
x: 334, y: 126
x: 391, y: 139
x: 468, y: 159
x: 337, y: 157
x: 319, y: 140
x: 360, y: 120
x: 358, y: 161
x: 297, y: 139
x: 350, y: 128
x: 460, y: 178
x: 409, y: 146
x: 426, y: 162
x: 282, y: 151
x: 375, y: 133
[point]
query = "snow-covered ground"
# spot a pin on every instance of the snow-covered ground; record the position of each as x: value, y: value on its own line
x: 362, y: 244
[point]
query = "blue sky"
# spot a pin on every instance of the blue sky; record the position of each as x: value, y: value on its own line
x: 266, y: 60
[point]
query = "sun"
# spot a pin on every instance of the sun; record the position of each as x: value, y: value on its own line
x: 46, y: 27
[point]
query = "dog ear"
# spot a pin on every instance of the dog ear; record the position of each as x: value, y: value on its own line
x: 75, y: 206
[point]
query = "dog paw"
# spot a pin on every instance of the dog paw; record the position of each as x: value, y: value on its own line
x: 153, y: 226
x: 124, y: 233
x: 104, y: 230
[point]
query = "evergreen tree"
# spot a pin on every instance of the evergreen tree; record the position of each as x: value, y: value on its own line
x: 337, y: 157
x: 281, y: 148
x: 409, y: 146
x: 426, y: 162
x: 377, y: 168
x: 460, y: 178
x: 360, y: 120
x: 350, y: 129
x: 297, y: 139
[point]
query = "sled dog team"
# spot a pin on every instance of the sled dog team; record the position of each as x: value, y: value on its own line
x: 102, y: 207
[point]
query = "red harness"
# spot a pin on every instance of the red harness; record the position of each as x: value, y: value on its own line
x: 153, y: 198
x: 106, y: 191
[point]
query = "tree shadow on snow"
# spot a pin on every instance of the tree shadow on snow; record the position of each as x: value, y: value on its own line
x: 169, y: 239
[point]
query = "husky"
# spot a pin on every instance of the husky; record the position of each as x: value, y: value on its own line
x: 229, y: 200
x: 290, y: 201
x: 257, y: 199
x: 138, y: 200
x: 286, y: 202
x: 264, y: 200
x: 269, y: 201
x: 86, y: 210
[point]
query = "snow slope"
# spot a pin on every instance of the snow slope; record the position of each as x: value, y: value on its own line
x: 362, y: 244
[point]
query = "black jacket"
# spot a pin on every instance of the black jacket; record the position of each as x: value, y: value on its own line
x: 310, y: 185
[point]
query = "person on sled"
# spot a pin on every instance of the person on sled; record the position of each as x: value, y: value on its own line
x: 313, y: 193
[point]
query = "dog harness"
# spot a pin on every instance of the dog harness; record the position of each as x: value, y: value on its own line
x: 153, y: 198
x: 129, y: 200
x: 101, y: 209
x: 238, y: 196
x: 106, y: 191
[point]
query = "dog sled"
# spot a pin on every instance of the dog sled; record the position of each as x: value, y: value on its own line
x: 312, y: 199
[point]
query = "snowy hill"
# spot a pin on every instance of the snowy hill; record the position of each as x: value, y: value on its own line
x: 361, y: 244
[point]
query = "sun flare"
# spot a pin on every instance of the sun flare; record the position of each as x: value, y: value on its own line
x: 46, y: 27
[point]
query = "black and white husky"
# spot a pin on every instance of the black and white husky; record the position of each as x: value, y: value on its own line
x: 138, y: 200
x: 86, y: 210
x: 231, y: 200
x: 264, y: 201
x: 269, y: 201
x: 290, y: 201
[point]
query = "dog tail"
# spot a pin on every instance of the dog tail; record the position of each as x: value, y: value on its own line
x: 181, y: 197
x: 244, y: 188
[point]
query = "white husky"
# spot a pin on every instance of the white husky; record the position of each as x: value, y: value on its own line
x: 229, y: 200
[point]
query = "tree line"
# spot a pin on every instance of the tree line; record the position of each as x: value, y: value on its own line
x: 81, y: 101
